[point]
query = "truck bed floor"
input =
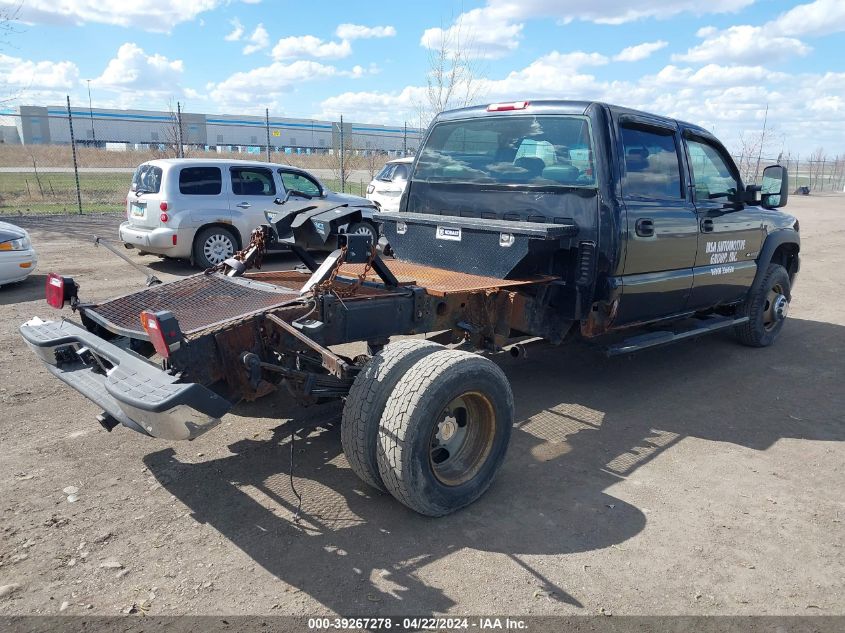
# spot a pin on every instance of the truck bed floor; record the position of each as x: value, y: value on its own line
x: 439, y: 281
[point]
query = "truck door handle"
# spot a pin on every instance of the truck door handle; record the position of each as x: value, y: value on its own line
x: 243, y: 205
x: 707, y: 225
x: 645, y: 227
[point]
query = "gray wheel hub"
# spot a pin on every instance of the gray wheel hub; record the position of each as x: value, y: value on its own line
x: 218, y: 248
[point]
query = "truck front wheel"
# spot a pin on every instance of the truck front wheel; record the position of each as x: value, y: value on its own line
x: 445, y: 431
x: 766, y: 309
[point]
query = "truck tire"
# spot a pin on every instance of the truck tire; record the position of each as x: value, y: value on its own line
x: 213, y: 245
x: 445, y: 431
x: 365, y: 404
x: 766, y: 309
x: 363, y: 228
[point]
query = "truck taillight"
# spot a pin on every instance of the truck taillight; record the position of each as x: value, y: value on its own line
x: 163, y: 205
x: 504, y: 107
x: 163, y: 330
x: 59, y: 290
x: 163, y: 217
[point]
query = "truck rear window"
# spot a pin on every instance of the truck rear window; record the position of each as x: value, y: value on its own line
x: 514, y: 150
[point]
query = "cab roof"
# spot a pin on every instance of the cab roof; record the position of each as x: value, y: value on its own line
x: 557, y: 106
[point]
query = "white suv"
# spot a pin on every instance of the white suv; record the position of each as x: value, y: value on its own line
x: 205, y: 209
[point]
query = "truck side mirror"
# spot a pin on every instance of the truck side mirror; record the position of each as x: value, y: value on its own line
x: 775, y: 188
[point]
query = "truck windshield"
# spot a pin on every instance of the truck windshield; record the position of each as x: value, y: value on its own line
x: 509, y: 150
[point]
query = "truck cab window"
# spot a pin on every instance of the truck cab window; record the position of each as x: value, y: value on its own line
x: 543, y: 151
x: 652, y: 169
x: 713, y: 177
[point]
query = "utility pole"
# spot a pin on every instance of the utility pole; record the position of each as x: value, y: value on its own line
x: 267, y: 126
x: 91, y: 113
x: 180, y: 152
x: 405, y: 140
x: 73, y: 150
x: 342, y: 152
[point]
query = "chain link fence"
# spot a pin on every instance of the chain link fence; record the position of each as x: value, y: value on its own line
x: 81, y: 160
x: 818, y: 174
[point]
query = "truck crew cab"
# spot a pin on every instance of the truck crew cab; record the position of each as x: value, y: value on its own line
x: 666, y: 228
x: 549, y: 219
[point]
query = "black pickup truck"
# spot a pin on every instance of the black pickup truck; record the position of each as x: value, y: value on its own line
x: 549, y: 220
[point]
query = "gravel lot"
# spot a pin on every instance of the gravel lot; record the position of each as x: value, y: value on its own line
x: 701, y: 478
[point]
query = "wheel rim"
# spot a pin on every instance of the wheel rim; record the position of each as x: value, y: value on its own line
x: 462, y: 439
x: 363, y: 230
x: 218, y: 248
x: 776, y: 307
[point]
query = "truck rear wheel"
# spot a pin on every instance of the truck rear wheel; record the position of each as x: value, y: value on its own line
x: 445, y: 431
x: 766, y: 309
x: 365, y: 404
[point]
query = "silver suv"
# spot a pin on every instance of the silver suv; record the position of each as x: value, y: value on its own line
x: 205, y: 209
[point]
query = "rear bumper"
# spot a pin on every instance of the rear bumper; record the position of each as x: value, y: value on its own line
x: 158, y: 240
x: 134, y: 392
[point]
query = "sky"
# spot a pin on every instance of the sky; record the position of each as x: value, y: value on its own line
x: 717, y: 63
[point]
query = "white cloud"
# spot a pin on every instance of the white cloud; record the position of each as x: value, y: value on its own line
x: 616, y: 11
x: 775, y: 40
x: 743, y: 43
x: 150, y: 15
x: 821, y: 17
x: 357, y: 31
x: 310, y: 46
x: 495, y: 29
x: 237, y: 31
x: 22, y: 74
x: 258, y: 40
x: 483, y: 33
x: 640, y: 51
x: 729, y: 99
x: 132, y: 69
x: 261, y: 85
x: 714, y: 75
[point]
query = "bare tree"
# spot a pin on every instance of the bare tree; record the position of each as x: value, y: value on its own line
x: 8, y: 26
x: 375, y: 160
x: 344, y: 151
x: 817, y: 160
x: 169, y: 145
x: 755, y: 148
x: 455, y: 75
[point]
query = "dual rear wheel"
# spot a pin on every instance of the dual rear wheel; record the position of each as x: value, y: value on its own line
x: 428, y: 424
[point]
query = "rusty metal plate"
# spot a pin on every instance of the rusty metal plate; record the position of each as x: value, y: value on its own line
x: 286, y: 278
x: 197, y: 302
x: 439, y: 281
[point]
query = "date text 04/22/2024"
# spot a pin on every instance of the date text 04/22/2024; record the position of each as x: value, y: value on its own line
x: 417, y: 623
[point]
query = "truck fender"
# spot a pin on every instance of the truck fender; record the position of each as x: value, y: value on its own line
x: 772, y: 242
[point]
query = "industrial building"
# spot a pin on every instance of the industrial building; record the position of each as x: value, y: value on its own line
x: 140, y: 129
